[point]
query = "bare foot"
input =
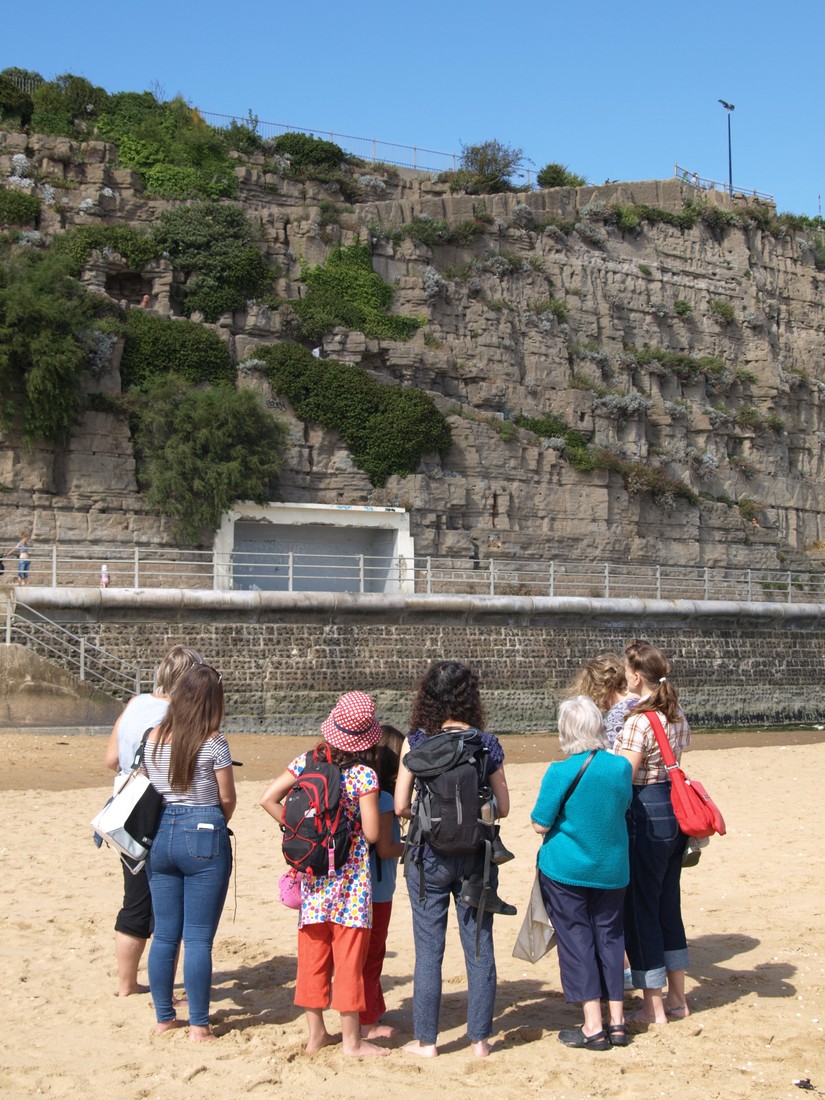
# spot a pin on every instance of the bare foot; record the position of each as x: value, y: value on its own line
x: 641, y: 1017
x: 132, y: 989
x: 378, y: 1031
x: 677, y: 1012
x: 199, y: 1034
x: 481, y: 1049
x: 365, y: 1049
x: 168, y: 1025
x: 324, y: 1040
x: 423, y: 1050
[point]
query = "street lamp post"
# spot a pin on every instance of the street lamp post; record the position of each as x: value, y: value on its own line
x: 729, y: 108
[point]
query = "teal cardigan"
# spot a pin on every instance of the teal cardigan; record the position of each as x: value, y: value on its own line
x: 587, y: 845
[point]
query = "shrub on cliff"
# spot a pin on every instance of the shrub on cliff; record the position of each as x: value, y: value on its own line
x: 486, y: 168
x: 67, y: 106
x: 388, y: 429
x: 200, y: 451
x: 216, y: 247
x: 306, y: 151
x: 156, y: 347
x: 558, y: 175
x: 45, y: 317
x: 345, y: 291
x: 177, y: 154
x: 137, y: 248
x: 18, y: 207
x: 16, y: 104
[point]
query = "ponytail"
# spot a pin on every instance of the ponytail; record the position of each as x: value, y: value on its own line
x: 654, y: 668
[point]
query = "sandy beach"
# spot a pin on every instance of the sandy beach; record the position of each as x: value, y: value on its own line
x: 753, y: 908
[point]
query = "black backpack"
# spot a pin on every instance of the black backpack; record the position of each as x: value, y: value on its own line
x: 451, y: 781
x: 316, y: 836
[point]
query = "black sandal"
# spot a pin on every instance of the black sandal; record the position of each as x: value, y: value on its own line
x: 575, y: 1037
x: 617, y: 1033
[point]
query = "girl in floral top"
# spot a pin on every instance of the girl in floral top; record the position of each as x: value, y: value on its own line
x: 336, y: 910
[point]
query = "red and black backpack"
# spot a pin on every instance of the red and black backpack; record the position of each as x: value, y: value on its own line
x: 316, y: 836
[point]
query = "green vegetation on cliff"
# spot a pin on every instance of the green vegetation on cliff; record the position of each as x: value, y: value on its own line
x: 46, y: 322
x: 200, y: 450
x: 345, y: 291
x: 387, y: 429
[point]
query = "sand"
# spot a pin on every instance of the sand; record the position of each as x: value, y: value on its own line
x: 753, y: 908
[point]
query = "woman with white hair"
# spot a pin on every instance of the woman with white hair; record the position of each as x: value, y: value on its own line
x: 584, y: 870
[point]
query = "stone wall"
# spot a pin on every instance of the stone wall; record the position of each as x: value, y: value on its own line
x: 286, y: 657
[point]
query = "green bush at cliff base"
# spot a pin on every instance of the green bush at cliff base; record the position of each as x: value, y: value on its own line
x: 18, y: 208
x: 345, y: 291
x: 217, y: 248
x: 44, y: 315
x: 156, y: 346
x: 387, y: 429
x: 199, y: 451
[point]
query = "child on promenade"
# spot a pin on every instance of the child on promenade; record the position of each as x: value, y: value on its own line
x: 336, y: 910
x: 383, y: 866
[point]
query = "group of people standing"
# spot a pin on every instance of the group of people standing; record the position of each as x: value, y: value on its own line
x: 608, y: 865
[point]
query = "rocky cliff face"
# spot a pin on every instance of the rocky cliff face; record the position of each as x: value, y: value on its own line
x: 551, y: 308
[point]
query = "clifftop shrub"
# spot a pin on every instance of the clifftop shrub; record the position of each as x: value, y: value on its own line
x: 387, y: 429
x: 558, y: 175
x: 486, y: 169
x: 345, y: 291
x: 306, y: 151
x: 67, y: 106
x: 176, y: 152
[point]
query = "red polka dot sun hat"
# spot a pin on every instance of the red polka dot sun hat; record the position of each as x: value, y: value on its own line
x: 351, y: 726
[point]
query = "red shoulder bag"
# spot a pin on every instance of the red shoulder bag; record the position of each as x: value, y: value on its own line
x: 696, y: 812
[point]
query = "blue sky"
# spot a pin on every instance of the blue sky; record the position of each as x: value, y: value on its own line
x: 619, y: 91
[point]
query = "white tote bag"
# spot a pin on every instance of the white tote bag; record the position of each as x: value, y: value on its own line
x: 129, y: 819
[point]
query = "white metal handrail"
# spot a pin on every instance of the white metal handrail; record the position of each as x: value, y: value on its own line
x: 138, y: 567
x: 84, y: 659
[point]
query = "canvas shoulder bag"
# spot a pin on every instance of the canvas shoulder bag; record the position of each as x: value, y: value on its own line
x: 129, y: 819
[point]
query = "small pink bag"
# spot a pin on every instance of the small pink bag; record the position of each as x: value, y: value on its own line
x: 289, y: 888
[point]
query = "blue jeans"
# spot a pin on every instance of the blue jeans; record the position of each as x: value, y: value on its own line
x: 188, y: 868
x: 442, y: 877
x: 653, y: 928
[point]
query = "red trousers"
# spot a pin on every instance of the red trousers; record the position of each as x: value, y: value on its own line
x: 374, y: 962
x: 324, y: 949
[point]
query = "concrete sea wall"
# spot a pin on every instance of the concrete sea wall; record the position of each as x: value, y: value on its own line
x: 286, y: 657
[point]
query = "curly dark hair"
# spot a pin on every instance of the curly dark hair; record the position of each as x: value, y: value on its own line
x: 447, y: 689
